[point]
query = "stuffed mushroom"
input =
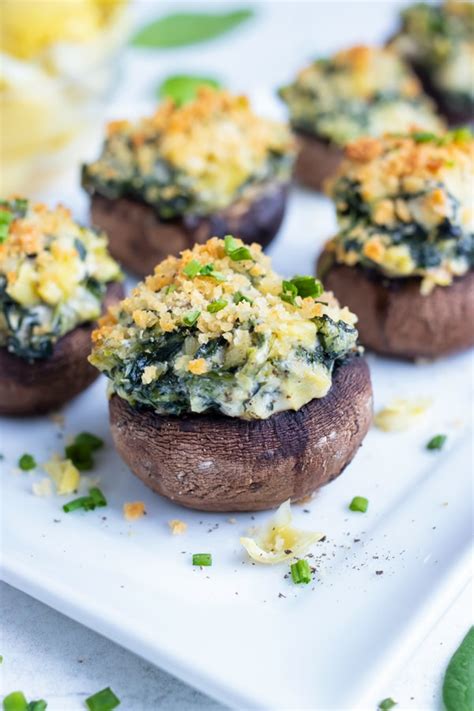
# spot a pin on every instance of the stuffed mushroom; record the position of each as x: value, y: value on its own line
x: 187, y: 173
x: 231, y: 388
x: 404, y: 254
x: 56, y: 278
x: 359, y: 91
x: 438, y: 42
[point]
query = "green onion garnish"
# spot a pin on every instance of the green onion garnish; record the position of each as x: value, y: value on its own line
x: 238, y: 297
x: 236, y: 252
x: 288, y: 292
x: 301, y: 572
x: 190, y: 318
x: 202, y: 559
x: 216, y: 306
x: 423, y: 136
x: 387, y: 704
x: 192, y: 268
x: 15, y: 701
x: 6, y: 219
x: 303, y: 286
x: 359, y: 503
x: 437, y: 442
x: 86, y: 503
x: 209, y: 270
x: 104, y: 700
x: 307, y: 286
x: 80, y: 451
x: 170, y: 288
x: 27, y: 462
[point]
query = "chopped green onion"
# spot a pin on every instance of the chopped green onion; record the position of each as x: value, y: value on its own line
x: 238, y: 297
x: 190, y: 318
x: 86, y: 439
x: 209, y: 270
x: 192, y: 268
x: 15, y: 701
x: 202, y: 559
x: 301, y: 572
x: 235, y: 251
x: 387, y: 704
x: 87, y: 503
x: 463, y: 133
x: 437, y: 442
x: 39, y: 705
x: 104, y: 700
x: 97, y: 496
x: 27, y: 462
x: 83, y: 502
x: 6, y: 219
x: 170, y: 288
x: 423, y: 136
x: 307, y: 286
x: 216, y: 306
x: 288, y: 292
x: 359, y: 503
x: 1, y: 658
x: 80, y: 451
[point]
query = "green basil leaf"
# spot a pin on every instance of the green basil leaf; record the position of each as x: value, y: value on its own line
x: 458, y: 685
x: 183, y: 88
x: 185, y: 28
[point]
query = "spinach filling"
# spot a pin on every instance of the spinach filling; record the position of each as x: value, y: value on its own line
x: 229, y: 379
x: 428, y: 247
x: 167, y: 189
x: 31, y: 333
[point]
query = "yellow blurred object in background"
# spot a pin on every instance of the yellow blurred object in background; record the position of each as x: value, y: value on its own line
x: 57, y: 63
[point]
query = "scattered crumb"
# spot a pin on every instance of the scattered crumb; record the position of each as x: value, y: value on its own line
x: 57, y: 418
x: 177, y: 527
x: 231, y: 520
x: 133, y: 510
x: 305, y: 499
x: 43, y: 487
x: 379, y: 572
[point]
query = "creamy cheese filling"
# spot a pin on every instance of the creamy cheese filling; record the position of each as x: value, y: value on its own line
x: 218, y: 330
x: 440, y: 39
x: 405, y: 206
x: 53, y: 276
x: 192, y: 159
x: 360, y: 91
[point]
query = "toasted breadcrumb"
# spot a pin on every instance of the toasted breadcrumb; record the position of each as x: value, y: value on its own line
x: 177, y: 527
x: 133, y: 510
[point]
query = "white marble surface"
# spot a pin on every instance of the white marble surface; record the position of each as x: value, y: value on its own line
x: 51, y: 657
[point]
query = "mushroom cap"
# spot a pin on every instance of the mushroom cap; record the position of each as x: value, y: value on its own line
x: 317, y: 160
x: 139, y: 239
x: 396, y: 319
x: 215, y: 463
x: 33, y: 388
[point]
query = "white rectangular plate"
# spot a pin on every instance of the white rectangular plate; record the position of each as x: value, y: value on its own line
x: 227, y: 629
x: 238, y: 631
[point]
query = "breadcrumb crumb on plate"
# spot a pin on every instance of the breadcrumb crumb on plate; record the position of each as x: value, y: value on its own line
x: 177, y: 527
x: 133, y: 510
x: 64, y: 474
x: 42, y: 488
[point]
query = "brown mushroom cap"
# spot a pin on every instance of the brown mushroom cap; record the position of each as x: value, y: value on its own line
x: 216, y: 463
x: 317, y: 160
x: 454, y: 111
x: 44, y: 385
x: 395, y: 319
x: 139, y: 239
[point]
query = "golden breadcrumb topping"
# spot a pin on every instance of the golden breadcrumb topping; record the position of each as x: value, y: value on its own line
x: 217, y: 328
x: 53, y: 275
x: 405, y: 205
x: 358, y: 91
x: 214, y: 145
